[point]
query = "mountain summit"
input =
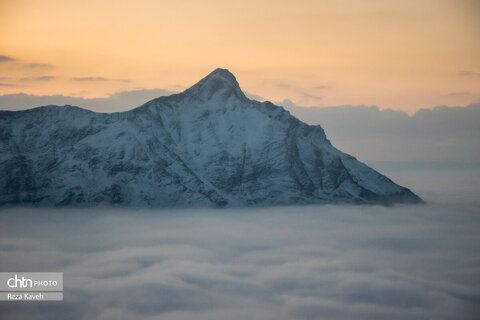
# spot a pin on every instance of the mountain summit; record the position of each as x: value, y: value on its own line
x: 207, y: 146
x: 219, y: 81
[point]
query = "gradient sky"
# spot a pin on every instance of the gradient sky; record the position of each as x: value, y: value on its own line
x: 395, y: 54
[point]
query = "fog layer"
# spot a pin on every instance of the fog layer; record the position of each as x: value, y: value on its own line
x: 311, y: 262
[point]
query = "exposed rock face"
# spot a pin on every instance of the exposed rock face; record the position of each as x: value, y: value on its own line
x: 207, y: 146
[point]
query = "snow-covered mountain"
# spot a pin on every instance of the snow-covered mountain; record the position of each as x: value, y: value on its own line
x: 207, y: 146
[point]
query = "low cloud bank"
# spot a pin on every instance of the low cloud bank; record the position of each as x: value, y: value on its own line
x: 312, y: 262
x: 120, y: 101
x: 440, y: 137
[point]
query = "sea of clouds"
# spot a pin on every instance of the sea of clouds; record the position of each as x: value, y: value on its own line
x: 310, y: 262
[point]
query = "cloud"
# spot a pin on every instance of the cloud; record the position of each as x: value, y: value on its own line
x: 99, y: 79
x: 469, y: 73
x: 7, y: 84
x: 459, y: 93
x: 312, y: 96
x: 91, y: 79
x: 28, y: 65
x: 283, y: 85
x: 443, y: 135
x: 40, y: 65
x: 120, y: 101
x: 321, y: 87
x: 44, y: 78
x: 287, y: 103
x: 41, y: 79
x: 5, y: 58
x: 305, y: 97
x: 310, y: 262
x: 254, y: 96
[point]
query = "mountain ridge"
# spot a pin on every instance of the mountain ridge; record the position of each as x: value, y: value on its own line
x: 207, y: 146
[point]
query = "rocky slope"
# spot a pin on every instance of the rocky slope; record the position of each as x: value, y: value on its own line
x: 207, y: 146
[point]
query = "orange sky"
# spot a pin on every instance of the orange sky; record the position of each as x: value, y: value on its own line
x: 394, y: 54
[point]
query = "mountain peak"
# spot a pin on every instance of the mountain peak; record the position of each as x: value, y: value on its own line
x: 207, y: 146
x: 223, y: 73
x: 218, y: 82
